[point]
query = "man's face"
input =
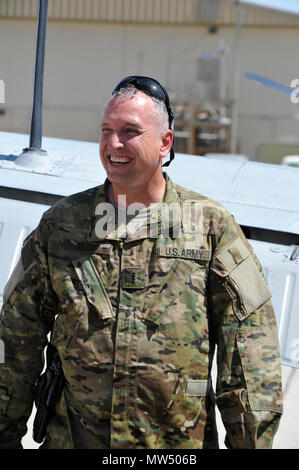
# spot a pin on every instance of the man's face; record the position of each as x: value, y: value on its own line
x: 132, y: 145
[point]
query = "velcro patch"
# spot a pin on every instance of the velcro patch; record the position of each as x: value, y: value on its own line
x: 233, y: 255
x: 133, y: 278
x: 197, y: 388
x: 187, y: 253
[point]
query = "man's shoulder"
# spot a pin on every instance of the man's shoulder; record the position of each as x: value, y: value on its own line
x: 216, y: 217
x: 74, y: 206
x: 186, y: 195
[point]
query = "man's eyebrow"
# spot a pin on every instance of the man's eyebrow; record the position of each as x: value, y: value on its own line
x: 126, y: 123
x: 132, y: 123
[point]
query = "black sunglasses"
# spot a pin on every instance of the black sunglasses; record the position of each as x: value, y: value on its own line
x: 153, y: 88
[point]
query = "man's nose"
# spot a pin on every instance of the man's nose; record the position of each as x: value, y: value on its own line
x: 115, y: 140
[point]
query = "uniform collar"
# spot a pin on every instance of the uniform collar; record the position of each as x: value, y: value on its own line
x: 167, y: 219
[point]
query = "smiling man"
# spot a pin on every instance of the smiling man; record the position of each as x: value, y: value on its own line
x: 135, y: 137
x: 136, y: 314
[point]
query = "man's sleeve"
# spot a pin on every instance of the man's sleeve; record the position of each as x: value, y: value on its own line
x: 248, y: 391
x: 25, y: 321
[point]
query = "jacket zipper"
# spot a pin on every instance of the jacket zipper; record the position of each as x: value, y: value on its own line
x: 120, y: 250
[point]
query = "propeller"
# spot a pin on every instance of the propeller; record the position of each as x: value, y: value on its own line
x: 272, y: 84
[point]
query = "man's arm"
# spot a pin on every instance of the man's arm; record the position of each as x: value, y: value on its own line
x: 26, y: 318
x: 248, y: 392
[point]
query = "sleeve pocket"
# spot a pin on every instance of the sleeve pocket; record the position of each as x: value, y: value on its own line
x: 241, y: 275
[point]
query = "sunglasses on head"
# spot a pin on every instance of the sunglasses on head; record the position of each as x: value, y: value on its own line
x: 153, y: 88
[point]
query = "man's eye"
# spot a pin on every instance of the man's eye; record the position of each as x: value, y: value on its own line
x: 132, y: 131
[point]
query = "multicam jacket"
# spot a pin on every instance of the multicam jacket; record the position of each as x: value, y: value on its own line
x: 136, y: 321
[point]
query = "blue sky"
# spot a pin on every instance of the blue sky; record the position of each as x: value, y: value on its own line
x: 289, y: 5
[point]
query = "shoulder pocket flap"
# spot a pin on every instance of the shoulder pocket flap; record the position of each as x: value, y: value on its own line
x: 236, y: 263
x: 93, y: 287
x: 253, y: 289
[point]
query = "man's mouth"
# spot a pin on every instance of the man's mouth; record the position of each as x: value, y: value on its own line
x: 119, y: 159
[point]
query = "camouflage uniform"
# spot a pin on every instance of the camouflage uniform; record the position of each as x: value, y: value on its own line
x: 136, y: 322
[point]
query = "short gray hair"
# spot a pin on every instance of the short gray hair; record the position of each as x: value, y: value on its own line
x: 129, y: 91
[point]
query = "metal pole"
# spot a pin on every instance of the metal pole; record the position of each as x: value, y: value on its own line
x: 236, y: 77
x: 34, y: 157
x: 36, y: 119
x: 222, y: 84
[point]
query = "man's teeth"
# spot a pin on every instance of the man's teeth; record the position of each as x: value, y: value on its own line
x: 119, y: 159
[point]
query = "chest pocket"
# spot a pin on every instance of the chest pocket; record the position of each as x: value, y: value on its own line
x: 177, y: 280
x: 93, y: 287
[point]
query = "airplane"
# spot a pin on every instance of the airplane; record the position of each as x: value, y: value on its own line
x: 262, y: 197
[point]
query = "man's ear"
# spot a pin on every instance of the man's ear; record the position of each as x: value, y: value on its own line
x: 166, y: 143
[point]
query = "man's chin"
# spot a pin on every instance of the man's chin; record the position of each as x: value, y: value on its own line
x: 121, y: 180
